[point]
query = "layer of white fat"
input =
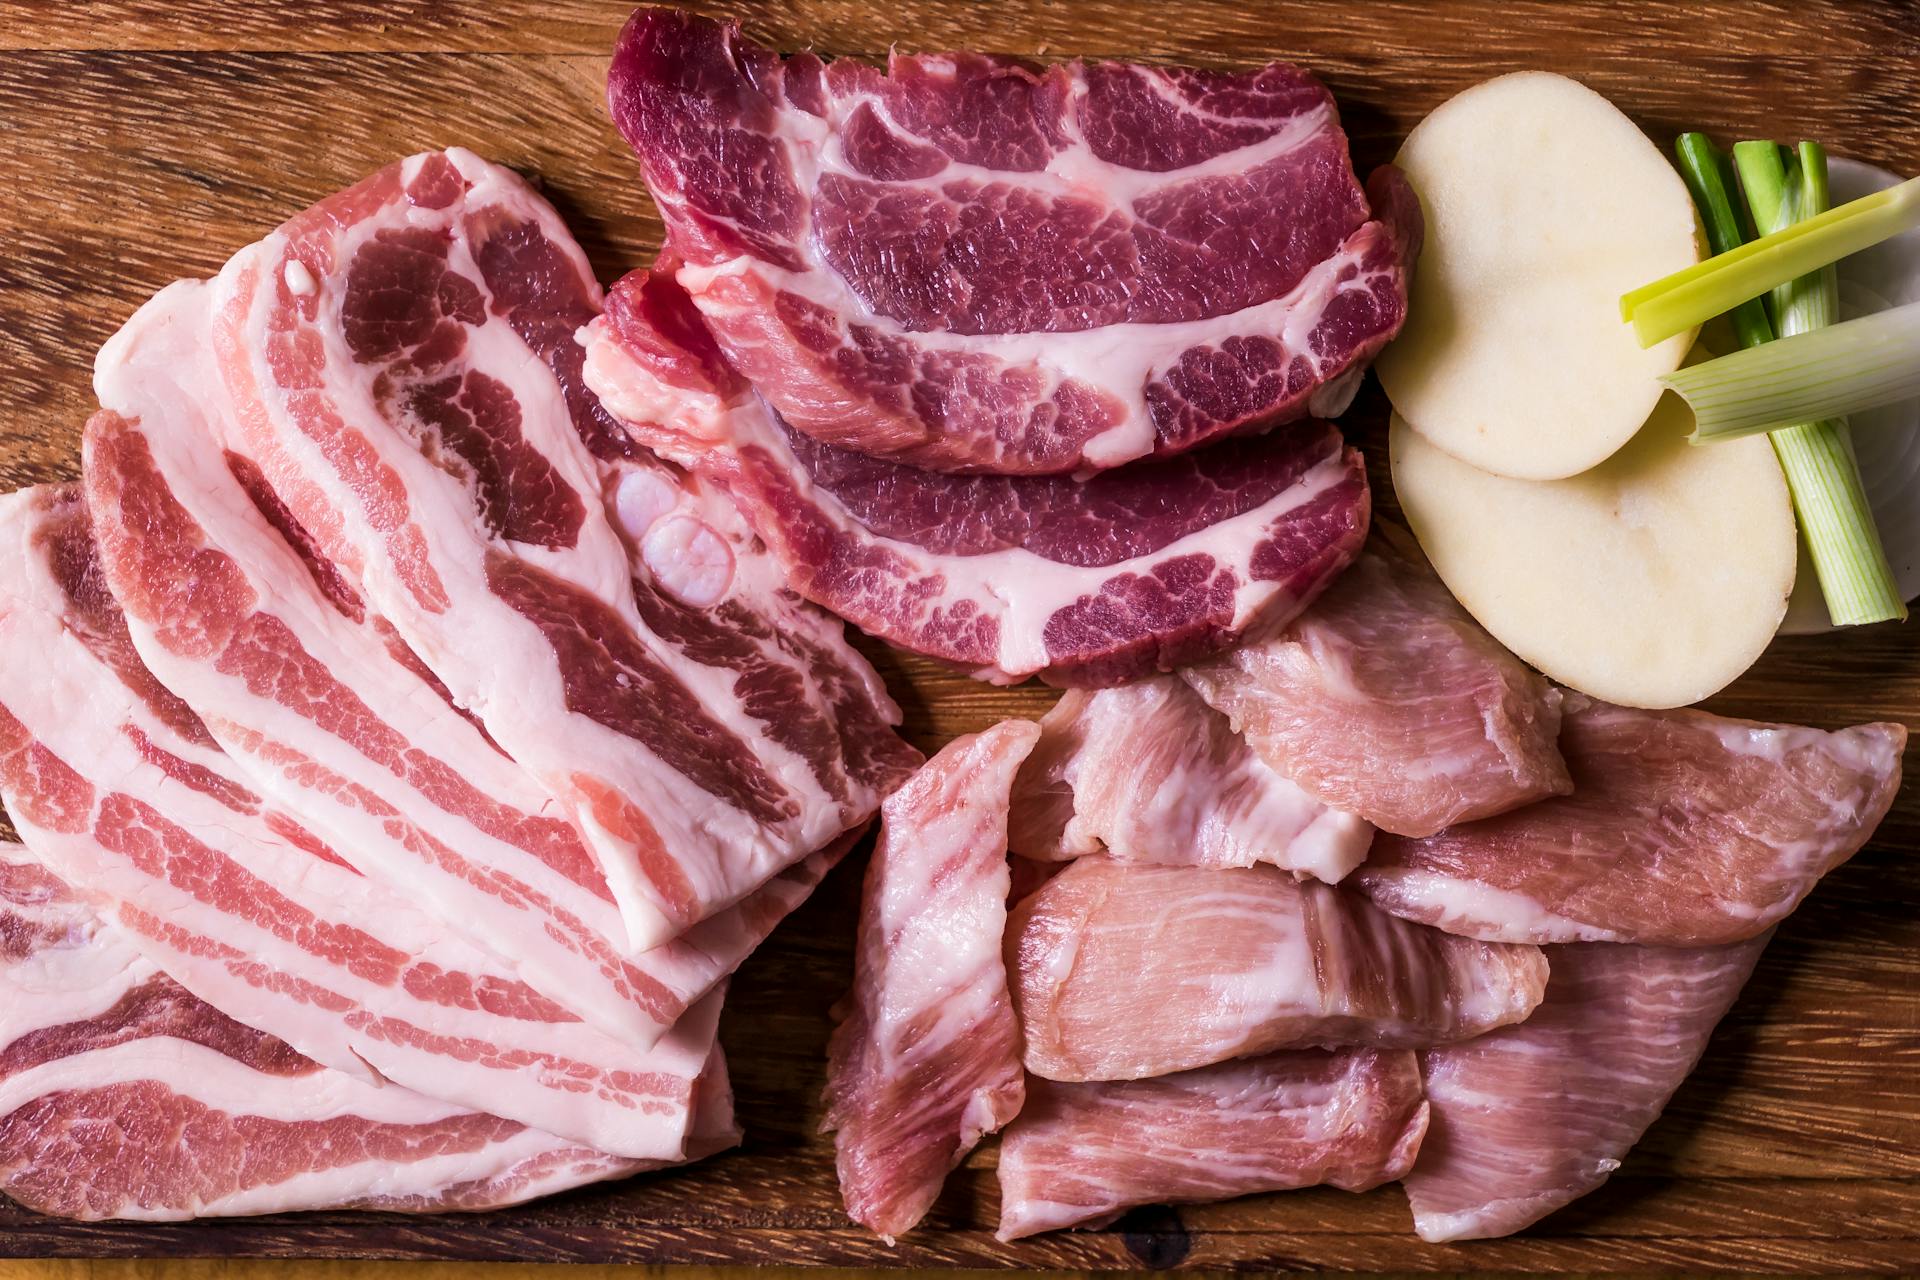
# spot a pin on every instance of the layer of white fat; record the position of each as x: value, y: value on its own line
x: 1120, y: 360
x: 1474, y: 909
x: 151, y: 371
x: 723, y: 851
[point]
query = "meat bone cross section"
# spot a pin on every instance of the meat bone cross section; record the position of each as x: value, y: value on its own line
x: 401, y: 371
x: 974, y: 263
x: 1083, y: 582
x: 211, y: 1118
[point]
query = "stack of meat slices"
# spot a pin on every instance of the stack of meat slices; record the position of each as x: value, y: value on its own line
x: 1369, y: 901
x: 404, y: 757
x: 1024, y: 368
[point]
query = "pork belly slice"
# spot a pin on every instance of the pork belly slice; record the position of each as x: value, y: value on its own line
x: 1147, y: 772
x: 124, y: 1096
x: 926, y: 1059
x: 401, y: 373
x: 1386, y: 700
x: 971, y: 263
x: 123, y: 793
x: 333, y: 717
x: 1081, y: 582
x: 1684, y: 829
x: 1080, y: 1154
x: 1121, y: 971
x: 1529, y: 1118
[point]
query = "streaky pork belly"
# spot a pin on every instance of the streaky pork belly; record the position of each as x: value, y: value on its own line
x: 926, y: 1059
x: 1080, y: 1154
x: 1529, y: 1118
x: 401, y: 372
x: 332, y: 715
x: 1684, y: 829
x: 1386, y: 700
x: 124, y: 1096
x: 972, y: 263
x: 1123, y: 971
x: 1119, y: 575
x: 124, y: 794
x: 1148, y: 772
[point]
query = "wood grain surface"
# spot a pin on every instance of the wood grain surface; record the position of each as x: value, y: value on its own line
x: 140, y: 142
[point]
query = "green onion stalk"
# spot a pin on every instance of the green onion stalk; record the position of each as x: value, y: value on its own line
x: 1817, y: 456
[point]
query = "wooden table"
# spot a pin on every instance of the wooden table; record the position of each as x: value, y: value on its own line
x: 144, y: 141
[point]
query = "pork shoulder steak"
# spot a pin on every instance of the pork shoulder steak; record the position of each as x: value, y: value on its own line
x: 1082, y: 582
x: 974, y: 263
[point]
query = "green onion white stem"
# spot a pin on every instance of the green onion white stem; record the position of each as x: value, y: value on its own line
x: 1816, y: 455
x: 1695, y: 295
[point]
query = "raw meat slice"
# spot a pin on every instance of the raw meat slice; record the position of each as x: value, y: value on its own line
x: 1147, y: 772
x: 973, y: 263
x: 1125, y: 971
x: 123, y: 1096
x: 334, y: 718
x: 399, y: 364
x: 1079, y: 1154
x: 926, y: 1060
x: 121, y: 792
x: 1529, y: 1118
x: 1684, y: 829
x: 1132, y: 571
x: 1387, y: 700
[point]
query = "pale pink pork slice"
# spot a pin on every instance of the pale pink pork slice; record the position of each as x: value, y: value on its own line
x: 1529, y: 1118
x: 926, y: 1059
x: 1148, y: 772
x: 1385, y: 699
x: 973, y: 263
x: 1125, y: 971
x: 1684, y: 829
x: 1079, y: 1154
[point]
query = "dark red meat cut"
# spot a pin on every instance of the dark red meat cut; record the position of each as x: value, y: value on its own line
x: 1084, y: 582
x: 974, y: 263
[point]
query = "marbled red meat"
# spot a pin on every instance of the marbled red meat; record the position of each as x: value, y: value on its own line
x: 1120, y: 971
x: 1082, y: 582
x: 1079, y: 1154
x: 1530, y: 1118
x: 1385, y: 699
x: 398, y: 365
x: 926, y: 1060
x: 1147, y: 772
x: 971, y: 262
x: 124, y: 1096
x: 1684, y: 829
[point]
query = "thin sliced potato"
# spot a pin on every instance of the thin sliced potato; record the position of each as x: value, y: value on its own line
x: 1651, y: 580
x: 1543, y: 205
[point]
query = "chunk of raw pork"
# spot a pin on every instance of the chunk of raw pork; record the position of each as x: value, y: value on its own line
x: 1386, y: 700
x: 1530, y: 1118
x: 1124, y: 971
x: 1079, y: 1154
x: 1684, y: 829
x: 927, y: 1058
x: 1147, y: 772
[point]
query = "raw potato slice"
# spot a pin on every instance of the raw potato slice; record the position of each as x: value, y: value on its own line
x: 1544, y: 204
x: 1651, y: 580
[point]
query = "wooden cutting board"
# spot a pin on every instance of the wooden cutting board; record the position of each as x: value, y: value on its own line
x: 143, y: 141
